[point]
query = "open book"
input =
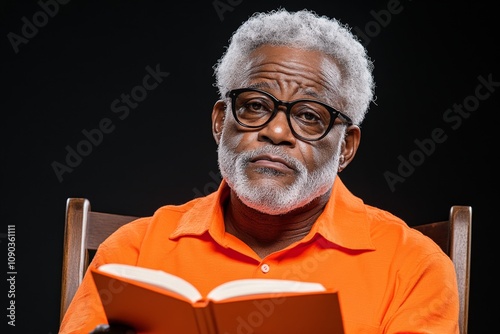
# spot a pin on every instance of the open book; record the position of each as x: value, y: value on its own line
x: 153, y: 301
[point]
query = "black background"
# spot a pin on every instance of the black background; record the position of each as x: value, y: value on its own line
x: 428, y: 57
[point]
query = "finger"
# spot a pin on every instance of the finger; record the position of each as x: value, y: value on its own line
x: 100, y: 329
x: 113, y: 329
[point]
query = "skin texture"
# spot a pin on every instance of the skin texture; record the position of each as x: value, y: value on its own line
x: 289, y: 74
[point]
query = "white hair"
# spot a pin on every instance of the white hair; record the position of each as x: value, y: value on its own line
x: 307, y: 30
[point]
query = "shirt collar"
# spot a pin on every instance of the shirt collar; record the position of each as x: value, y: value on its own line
x: 343, y: 222
x: 205, y: 213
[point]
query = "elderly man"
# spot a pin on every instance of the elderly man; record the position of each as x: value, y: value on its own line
x: 294, y: 88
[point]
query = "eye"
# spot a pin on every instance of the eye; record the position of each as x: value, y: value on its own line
x: 310, y: 113
x: 258, y: 105
x: 308, y: 116
x: 255, y: 106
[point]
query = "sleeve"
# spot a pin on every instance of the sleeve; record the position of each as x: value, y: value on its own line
x: 85, y: 311
x: 427, y: 301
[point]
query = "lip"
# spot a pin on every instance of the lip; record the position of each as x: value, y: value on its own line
x: 271, y: 161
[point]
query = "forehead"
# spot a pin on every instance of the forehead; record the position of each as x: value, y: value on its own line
x: 283, y: 67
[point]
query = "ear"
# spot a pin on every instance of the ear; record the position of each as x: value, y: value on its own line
x: 218, y: 116
x: 350, y: 146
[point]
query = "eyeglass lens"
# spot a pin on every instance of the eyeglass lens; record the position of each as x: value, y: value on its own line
x: 309, y: 119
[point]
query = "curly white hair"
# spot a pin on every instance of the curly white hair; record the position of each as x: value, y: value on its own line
x: 307, y: 30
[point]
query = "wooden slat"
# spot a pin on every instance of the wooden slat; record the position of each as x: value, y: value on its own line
x: 74, y: 250
x: 101, y: 225
x: 460, y: 249
x: 439, y: 232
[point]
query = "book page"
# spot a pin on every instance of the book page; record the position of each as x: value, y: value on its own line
x: 253, y: 286
x: 154, y: 277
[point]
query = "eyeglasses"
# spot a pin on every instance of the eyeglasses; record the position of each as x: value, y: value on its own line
x: 309, y: 120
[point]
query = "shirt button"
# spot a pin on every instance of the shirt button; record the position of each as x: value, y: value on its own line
x: 265, y: 268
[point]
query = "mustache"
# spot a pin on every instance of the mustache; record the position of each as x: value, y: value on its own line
x: 246, y: 157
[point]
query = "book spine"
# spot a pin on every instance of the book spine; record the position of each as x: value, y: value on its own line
x: 205, y: 319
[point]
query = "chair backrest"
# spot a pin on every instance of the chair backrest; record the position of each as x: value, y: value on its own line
x: 83, y: 232
x: 454, y: 238
x: 86, y: 229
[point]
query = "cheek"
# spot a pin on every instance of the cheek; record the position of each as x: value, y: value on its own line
x: 320, y: 155
x: 311, y: 155
x: 237, y: 139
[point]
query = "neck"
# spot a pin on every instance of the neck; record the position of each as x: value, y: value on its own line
x: 269, y: 233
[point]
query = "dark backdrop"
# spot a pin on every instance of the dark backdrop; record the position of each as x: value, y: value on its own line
x: 65, y: 68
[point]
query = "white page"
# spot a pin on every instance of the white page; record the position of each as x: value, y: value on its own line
x: 252, y: 286
x: 154, y: 277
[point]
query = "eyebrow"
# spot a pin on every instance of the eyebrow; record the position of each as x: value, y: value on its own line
x: 312, y: 94
x: 264, y: 85
x: 259, y: 85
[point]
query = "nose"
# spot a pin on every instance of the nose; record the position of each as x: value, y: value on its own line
x: 278, y: 131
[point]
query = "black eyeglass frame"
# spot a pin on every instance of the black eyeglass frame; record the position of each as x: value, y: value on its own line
x: 334, y: 113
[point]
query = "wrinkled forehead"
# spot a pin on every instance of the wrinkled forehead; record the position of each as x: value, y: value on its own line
x: 307, y: 71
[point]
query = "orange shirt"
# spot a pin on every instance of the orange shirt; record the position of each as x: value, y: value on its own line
x: 390, y: 278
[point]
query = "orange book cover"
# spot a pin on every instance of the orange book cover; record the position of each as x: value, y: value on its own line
x: 152, y: 309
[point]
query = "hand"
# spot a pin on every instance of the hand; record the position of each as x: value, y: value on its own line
x: 113, y: 329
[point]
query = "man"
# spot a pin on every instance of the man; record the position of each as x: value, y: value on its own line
x: 294, y: 88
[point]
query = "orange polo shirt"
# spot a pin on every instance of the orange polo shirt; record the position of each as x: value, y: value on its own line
x: 390, y: 278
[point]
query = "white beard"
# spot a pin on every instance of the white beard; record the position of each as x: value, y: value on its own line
x: 268, y: 198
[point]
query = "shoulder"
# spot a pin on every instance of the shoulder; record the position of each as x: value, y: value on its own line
x: 164, y: 218
x: 392, y: 233
x: 412, y: 254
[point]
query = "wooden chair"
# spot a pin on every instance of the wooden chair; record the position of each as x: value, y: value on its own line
x: 86, y: 229
x: 454, y: 238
